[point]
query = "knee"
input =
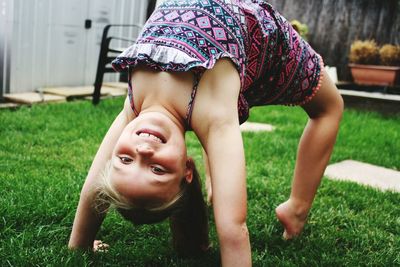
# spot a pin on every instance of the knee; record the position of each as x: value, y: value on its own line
x: 331, y: 109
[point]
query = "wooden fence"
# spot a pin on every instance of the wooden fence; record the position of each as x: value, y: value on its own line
x: 335, y: 24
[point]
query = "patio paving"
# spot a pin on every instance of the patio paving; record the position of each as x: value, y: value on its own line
x: 114, y: 91
x: 256, y: 127
x: 62, y: 94
x: 9, y: 105
x: 78, y: 91
x: 33, y: 98
x: 108, y: 89
x: 371, y: 95
x: 120, y: 85
x: 365, y: 174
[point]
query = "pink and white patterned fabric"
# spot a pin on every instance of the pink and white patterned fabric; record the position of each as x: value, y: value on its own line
x: 276, y: 66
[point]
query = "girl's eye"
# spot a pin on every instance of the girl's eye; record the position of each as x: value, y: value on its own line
x: 125, y: 160
x: 157, y: 170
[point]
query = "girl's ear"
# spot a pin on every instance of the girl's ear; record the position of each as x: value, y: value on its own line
x: 189, y: 170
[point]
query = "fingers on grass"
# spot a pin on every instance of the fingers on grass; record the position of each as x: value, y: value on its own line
x: 99, y: 246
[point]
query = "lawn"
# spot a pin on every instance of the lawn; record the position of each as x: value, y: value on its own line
x: 46, y: 150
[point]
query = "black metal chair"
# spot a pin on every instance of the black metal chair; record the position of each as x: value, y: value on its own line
x: 107, y: 54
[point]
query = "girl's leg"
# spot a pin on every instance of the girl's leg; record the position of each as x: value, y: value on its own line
x: 315, y: 148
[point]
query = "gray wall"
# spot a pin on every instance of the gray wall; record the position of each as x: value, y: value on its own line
x: 335, y: 24
x: 6, y: 8
x: 49, y: 45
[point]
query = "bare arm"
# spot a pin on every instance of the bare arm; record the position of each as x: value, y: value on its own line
x: 221, y: 138
x: 227, y: 166
x: 87, y: 221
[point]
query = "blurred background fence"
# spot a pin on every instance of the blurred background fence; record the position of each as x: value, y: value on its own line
x: 57, y: 42
x: 335, y: 24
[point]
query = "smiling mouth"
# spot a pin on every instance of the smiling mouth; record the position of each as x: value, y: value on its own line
x: 152, y: 135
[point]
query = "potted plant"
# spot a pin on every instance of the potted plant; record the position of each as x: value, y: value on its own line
x: 300, y: 28
x: 372, y: 65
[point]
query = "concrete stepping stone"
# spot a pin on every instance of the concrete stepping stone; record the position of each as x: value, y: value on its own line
x: 9, y: 105
x: 78, y: 91
x: 121, y: 85
x: 33, y: 98
x: 365, y: 174
x: 107, y: 92
x: 61, y: 94
x: 371, y: 95
x: 256, y: 127
x: 114, y: 91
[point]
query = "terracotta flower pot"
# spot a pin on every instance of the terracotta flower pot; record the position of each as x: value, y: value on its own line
x: 375, y: 75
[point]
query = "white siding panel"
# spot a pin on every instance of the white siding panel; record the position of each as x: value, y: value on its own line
x: 6, y: 29
x: 67, y: 56
x: 51, y: 47
x: 21, y: 59
x: 40, y: 44
x: 103, y: 12
x: 69, y: 12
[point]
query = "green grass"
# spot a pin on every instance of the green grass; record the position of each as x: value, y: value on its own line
x: 46, y: 150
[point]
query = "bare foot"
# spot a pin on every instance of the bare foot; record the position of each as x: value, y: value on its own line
x: 291, y: 218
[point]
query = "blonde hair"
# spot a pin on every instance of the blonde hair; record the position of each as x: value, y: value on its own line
x: 107, y: 196
x: 187, y: 212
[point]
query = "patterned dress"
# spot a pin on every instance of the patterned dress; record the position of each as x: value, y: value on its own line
x: 275, y: 65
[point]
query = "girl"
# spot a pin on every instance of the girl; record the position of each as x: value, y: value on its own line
x: 200, y: 65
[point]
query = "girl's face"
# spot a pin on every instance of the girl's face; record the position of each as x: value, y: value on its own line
x: 149, y: 160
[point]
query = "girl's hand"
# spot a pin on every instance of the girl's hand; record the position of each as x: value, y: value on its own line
x: 99, y: 246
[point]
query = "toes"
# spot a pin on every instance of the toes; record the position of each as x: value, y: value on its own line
x: 285, y: 235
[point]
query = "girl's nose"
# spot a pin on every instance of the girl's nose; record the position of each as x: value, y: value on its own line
x: 144, y: 149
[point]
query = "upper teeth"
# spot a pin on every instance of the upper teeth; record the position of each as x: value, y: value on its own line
x: 153, y: 137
